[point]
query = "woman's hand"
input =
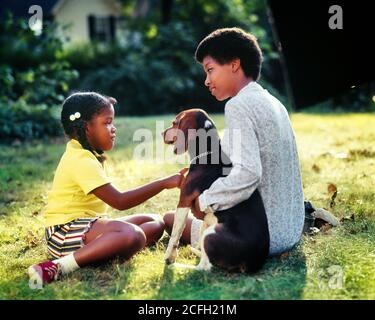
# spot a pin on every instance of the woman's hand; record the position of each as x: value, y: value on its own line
x: 196, y: 210
x: 176, y: 180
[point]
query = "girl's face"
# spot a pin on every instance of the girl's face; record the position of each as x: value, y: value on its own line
x: 220, y: 78
x: 100, y: 130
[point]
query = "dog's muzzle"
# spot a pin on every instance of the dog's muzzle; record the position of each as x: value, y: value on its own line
x: 169, y: 135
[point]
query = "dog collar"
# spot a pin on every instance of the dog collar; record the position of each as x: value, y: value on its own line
x: 200, y: 156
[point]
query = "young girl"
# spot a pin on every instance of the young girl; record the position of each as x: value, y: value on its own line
x: 76, y: 233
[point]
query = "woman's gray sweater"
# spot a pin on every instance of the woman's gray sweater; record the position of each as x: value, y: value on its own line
x: 260, y: 142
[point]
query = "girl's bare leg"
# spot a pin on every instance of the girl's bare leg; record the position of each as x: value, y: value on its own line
x: 108, y: 238
x: 151, y: 224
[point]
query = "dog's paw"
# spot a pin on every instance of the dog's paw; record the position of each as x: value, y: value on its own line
x: 181, y: 266
x: 203, y: 268
x: 197, y: 252
x: 169, y: 261
x: 170, y: 256
x: 204, y: 265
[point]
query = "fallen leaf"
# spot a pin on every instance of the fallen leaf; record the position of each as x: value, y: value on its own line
x: 326, y: 154
x: 32, y: 239
x: 316, y: 168
x: 332, y: 188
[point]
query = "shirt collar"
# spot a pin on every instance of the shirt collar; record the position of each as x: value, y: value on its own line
x: 73, y: 143
x: 252, y: 85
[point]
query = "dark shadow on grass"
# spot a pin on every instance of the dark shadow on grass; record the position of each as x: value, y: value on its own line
x: 106, y: 280
x: 167, y: 279
x: 281, y: 278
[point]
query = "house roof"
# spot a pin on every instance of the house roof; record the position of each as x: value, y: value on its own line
x: 20, y: 8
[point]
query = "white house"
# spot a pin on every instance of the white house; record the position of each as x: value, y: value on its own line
x: 87, y: 19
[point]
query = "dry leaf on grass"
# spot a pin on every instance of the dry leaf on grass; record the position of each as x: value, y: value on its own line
x: 315, y: 168
x: 32, y: 239
x: 332, y: 188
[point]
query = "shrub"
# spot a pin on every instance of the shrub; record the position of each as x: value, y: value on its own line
x: 21, y: 121
x: 151, y: 69
x: 34, y: 78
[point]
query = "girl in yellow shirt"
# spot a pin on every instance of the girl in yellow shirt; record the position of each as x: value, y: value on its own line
x: 76, y: 233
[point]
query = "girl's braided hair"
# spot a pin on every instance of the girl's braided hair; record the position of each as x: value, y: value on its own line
x: 88, y: 104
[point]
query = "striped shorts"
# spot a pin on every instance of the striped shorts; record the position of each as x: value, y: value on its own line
x: 66, y: 238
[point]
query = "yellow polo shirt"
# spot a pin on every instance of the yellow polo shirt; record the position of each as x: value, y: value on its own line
x: 78, y: 173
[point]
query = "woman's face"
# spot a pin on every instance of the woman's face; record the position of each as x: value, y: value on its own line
x: 219, y: 78
x: 100, y: 130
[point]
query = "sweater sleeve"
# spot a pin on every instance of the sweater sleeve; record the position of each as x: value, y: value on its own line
x: 240, y: 143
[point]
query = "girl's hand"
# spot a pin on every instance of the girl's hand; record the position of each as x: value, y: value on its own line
x: 176, y: 180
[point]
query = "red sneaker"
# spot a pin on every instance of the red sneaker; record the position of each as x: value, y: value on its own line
x: 43, y: 273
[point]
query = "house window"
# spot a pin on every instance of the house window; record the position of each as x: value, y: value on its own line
x: 102, y: 28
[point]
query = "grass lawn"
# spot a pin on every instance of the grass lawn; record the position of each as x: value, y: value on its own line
x: 336, y: 264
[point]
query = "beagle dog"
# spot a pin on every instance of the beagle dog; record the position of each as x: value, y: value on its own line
x: 236, y: 239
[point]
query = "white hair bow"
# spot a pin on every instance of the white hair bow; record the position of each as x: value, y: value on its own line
x: 75, y: 116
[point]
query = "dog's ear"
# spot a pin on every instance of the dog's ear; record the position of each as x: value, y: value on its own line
x: 204, y: 121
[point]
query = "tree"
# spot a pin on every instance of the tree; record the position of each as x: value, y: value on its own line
x: 33, y: 80
x: 152, y: 69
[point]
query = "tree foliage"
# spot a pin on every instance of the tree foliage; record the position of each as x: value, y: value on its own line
x: 151, y: 69
x: 33, y: 79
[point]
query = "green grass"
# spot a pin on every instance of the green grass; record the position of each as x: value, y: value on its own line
x: 337, y: 264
